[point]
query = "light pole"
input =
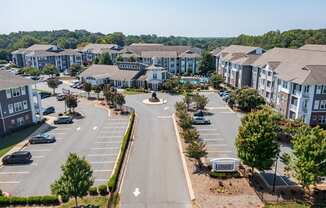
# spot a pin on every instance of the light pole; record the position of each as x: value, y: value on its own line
x: 275, y: 172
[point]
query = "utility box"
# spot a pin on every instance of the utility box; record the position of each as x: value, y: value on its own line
x: 225, y: 164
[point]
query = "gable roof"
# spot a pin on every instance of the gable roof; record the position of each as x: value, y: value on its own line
x: 314, y: 47
x: 291, y: 64
x: 98, y: 48
x: 237, y: 49
x: 239, y: 54
x: 9, y: 80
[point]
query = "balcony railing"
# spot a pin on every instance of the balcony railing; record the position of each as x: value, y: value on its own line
x: 293, y: 107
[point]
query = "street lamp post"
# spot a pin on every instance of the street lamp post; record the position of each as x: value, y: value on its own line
x: 275, y: 174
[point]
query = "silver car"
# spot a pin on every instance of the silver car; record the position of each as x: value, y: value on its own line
x: 196, y: 120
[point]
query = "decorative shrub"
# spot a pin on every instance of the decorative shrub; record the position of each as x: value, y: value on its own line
x: 33, y: 200
x: 93, y: 191
x: 224, y: 175
x: 103, y: 190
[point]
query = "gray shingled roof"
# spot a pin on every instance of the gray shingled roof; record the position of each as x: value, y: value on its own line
x: 98, y: 48
x: 9, y: 80
x: 109, y: 71
x: 238, y: 54
x: 314, y: 47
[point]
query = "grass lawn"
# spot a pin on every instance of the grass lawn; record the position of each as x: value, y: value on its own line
x: 98, y: 201
x: 287, y: 205
x: 132, y: 92
x: 8, y: 142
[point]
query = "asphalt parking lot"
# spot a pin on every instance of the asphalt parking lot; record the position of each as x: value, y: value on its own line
x: 96, y: 136
x: 221, y: 133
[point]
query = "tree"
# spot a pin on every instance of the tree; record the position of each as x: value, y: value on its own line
x: 74, y: 69
x: 72, y: 102
x: 256, y: 140
x: 196, y: 150
x: 75, y: 180
x: 132, y: 59
x: 97, y: 90
x: 50, y: 69
x: 207, y: 63
x: 185, y: 121
x: 187, y: 100
x: 109, y: 94
x: 190, y: 135
x: 119, y: 59
x: 181, y: 108
x: 201, y: 101
x: 87, y: 88
x: 119, y: 99
x: 308, y: 159
x: 171, y: 84
x: 247, y: 99
x: 105, y: 58
x: 30, y: 71
x: 216, y: 80
x: 53, y: 83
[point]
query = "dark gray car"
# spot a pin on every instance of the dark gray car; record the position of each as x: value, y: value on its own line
x: 20, y: 157
x: 63, y: 120
x: 42, y: 139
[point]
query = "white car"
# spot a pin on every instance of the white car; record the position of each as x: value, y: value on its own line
x: 200, y: 120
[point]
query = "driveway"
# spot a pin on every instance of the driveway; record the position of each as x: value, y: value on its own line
x: 154, y: 176
x: 97, y: 137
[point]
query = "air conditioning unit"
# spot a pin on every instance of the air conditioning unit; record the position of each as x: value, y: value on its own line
x: 225, y: 164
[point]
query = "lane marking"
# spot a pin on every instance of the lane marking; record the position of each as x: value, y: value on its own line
x: 9, y: 182
x: 100, y: 171
x: 38, y: 156
x: 109, y: 137
x: 78, y: 128
x: 166, y: 108
x: 206, y: 129
x: 136, y: 192
x: 101, y: 162
x: 216, y: 145
x: 215, y: 134
x: 40, y: 150
x: 9, y: 173
x: 59, y: 138
x: 100, y: 180
x: 59, y: 133
x: 164, y: 117
x: 100, y: 155
x: 107, y: 142
x: 104, y: 148
x: 219, y: 151
x: 94, y: 128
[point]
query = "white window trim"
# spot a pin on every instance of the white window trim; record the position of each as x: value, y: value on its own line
x: 316, y: 105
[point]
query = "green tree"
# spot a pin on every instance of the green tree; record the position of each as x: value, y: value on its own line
x: 185, y: 121
x: 72, y: 102
x: 187, y: 100
x: 119, y: 99
x: 190, y: 135
x: 206, y: 63
x: 50, y: 69
x: 201, y: 101
x: 119, y: 59
x: 30, y: 71
x: 97, y: 90
x: 74, y: 69
x: 53, y: 83
x: 256, y: 140
x: 171, y: 85
x: 109, y: 93
x: 76, y: 178
x: 216, y: 80
x: 105, y: 58
x: 247, y: 99
x: 196, y: 150
x: 308, y: 159
x: 132, y: 59
x: 87, y: 88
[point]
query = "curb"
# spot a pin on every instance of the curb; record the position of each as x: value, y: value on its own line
x: 185, y: 169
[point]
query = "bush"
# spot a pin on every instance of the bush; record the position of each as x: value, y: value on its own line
x: 103, y: 189
x: 224, y: 175
x: 93, y: 191
x: 15, y: 200
x: 33, y: 200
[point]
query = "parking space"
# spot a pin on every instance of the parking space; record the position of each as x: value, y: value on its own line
x: 97, y: 137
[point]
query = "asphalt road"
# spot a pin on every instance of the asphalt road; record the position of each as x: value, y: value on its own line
x: 154, y: 176
x: 97, y: 137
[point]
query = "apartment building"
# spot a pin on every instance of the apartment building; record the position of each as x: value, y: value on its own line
x: 18, y: 103
x: 293, y: 81
x: 39, y: 55
x: 93, y: 50
x: 175, y: 59
x: 234, y: 63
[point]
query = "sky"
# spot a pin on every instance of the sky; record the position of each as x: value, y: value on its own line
x: 193, y: 18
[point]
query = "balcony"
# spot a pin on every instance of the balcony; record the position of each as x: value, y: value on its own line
x: 293, y: 107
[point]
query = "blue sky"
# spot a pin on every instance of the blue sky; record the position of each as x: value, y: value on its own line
x: 197, y: 18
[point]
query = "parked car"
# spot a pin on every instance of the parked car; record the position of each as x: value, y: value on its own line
x: 60, y: 97
x: 226, y: 98
x: 200, y: 120
x: 74, y: 83
x: 20, y: 157
x: 44, y: 94
x: 199, y: 113
x: 63, y: 120
x: 49, y: 110
x: 35, y: 78
x: 42, y: 138
x: 79, y: 85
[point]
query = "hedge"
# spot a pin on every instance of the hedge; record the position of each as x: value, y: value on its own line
x: 32, y: 200
x: 112, y: 184
x: 224, y: 175
x: 93, y: 191
x: 103, y: 190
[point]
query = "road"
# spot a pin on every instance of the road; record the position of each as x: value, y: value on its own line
x: 154, y: 176
x: 97, y: 137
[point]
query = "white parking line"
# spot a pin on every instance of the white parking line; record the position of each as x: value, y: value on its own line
x: 113, y: 127
x: 108, y: 137
x: 100, y: 155
x: 164, y: 117
x: 9, y: 182
x: 217, y: 108
x: 107, y: 142
x: 213, y: 140
x: 216, y: 145
x: 59, y: 133
x: 104, y: 148
x: 100, y: 171
x: 101, y: 162
x: 206, y: 129
x: 100, y: 180
x: 14, y: 173
x: 59, y: 138
x: 94, y: 128
x: 115, y: 124
x: 78, y: 128
x: 215, y: 134
x: 40, y: 150
x: 219, y: 151
x: 38, y: 156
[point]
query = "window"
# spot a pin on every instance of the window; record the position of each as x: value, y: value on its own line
x: 319, y: 87
x: 154, y: 76
x: 23, y: 90
x: 322, y: 104
x: 316, y: 105
x: 322, y: 119
x: 306, y: 89
x: 11, y: 108
x: 25, y: 104
x: 285, y: 84
x: 269, y: 73
x: 18, y: 106
x: 8, y: 93
x: 16, y: 92
x: 324, y: 89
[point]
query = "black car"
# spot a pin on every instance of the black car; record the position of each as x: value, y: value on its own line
x: 60, y: 97
x: 45, y: 95
x: 36, y: 78
x: 63, y: 120
x: 49, y: 110
x: 42, y: 139
x: 20, y: 157
x: 199, y: 114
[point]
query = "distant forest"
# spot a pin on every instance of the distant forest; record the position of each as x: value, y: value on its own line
x: 77, y: 38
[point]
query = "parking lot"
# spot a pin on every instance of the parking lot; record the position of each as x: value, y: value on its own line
x: 96, y: 136
x: 221, y: 133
